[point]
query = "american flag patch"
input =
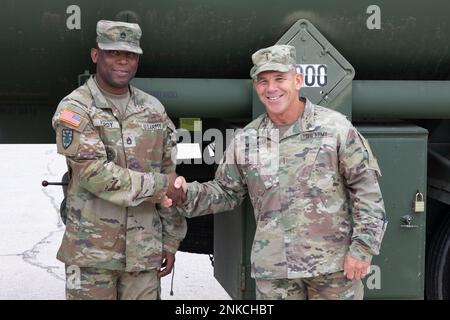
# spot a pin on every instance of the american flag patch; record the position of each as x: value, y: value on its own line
x: 70, y: 117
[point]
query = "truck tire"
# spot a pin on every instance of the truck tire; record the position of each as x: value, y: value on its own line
x: 438, y: 265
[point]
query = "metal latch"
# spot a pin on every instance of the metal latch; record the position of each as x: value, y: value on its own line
x: 406, y: 222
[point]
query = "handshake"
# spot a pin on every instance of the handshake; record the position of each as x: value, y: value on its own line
x: 176, y: 192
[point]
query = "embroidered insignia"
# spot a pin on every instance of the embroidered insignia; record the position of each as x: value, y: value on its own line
x: 67, y: 137
x: 130, y: 141
x: 70, y: 117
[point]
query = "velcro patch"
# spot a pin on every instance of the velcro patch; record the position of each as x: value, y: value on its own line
x: 70, y: 117
x: 106, y: 123
x: 312, y: 135
x: 152, y: 126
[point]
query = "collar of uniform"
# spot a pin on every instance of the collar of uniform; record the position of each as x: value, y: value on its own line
x: 265, y: 126
x: 136, y: 104
x: 100, y: 100
x: 305, y: 123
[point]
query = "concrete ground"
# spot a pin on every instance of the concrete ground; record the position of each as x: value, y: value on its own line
x: 31, y: 231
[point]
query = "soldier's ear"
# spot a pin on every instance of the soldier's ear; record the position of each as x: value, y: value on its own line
x: 298, y: 80
x: 94, y: 55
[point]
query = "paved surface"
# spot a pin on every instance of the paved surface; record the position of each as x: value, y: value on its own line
x: 31, y: 230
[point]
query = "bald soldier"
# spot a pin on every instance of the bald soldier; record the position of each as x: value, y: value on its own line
x: 120, y: 148
x: 313, y: 183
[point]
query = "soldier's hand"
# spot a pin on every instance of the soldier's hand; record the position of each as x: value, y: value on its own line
x: 175, y: 192
x: 355, y: 268
x: 167, y: 262
x: 166, y: 202
x: 180, y: 182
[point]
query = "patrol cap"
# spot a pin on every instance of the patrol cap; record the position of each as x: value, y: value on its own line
x: 117, y: 35
x: 279, y: 57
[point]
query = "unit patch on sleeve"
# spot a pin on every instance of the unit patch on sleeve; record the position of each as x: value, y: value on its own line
x: 67, y: 141
x: 67, y: 137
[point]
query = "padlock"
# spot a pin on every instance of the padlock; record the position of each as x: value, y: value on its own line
x: 419, y: 204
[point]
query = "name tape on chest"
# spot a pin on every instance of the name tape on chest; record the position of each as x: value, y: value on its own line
x: 152, y: 126
x: 312, y: 135
x: 106, y: 123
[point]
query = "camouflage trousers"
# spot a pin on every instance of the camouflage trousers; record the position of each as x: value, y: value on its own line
x: 334, y: 286
x: 101, y: 284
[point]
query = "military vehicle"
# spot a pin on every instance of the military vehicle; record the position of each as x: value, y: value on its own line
x: 385, y: 65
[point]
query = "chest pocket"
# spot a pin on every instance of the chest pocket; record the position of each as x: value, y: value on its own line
x: 314, y: 165
x: 109, y: 130
x: 151, y: 137
x: 261, y: 173
x: 324, y: 172
x: 305, y: 162
x: 315, y: 169
x: 149, y: 145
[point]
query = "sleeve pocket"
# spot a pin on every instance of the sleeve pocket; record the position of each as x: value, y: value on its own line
x: 371, y: 160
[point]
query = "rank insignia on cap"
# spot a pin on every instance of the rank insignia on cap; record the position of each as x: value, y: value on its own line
x: 70, y: 117
x: 67, y: 137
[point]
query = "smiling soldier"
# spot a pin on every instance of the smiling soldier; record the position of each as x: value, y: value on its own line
x: 313, y: 184
x: 120, y: 148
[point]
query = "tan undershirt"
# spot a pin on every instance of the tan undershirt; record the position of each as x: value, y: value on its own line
x: 282, y: 128
x: 117, y: 101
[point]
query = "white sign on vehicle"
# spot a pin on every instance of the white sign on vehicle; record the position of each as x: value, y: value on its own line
x: 315, y: 75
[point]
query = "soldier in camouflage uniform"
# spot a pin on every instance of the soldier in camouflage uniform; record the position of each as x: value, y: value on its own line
x: 313, y: 183
x: 120, y: 148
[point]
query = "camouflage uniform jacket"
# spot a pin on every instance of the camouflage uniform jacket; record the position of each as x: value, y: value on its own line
x: 118, y: 165
x: 314, y: 191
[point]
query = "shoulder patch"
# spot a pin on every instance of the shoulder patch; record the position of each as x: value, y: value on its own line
x: 67, y: 141
x: 67, y: 137
x: 70, y: 117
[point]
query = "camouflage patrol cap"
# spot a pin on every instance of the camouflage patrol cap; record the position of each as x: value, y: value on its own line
x: 279, y: 57
x: 117, y: 35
